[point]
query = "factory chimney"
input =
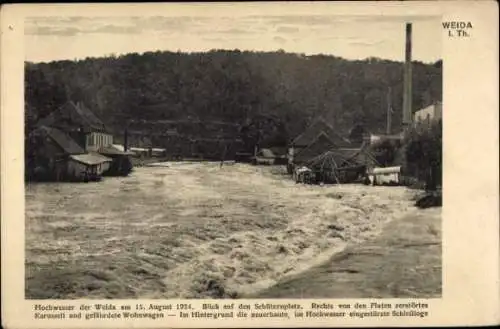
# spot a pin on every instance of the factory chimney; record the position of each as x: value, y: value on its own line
x: 407, y: 92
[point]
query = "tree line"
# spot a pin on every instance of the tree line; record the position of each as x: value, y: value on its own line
x: 242, y: 87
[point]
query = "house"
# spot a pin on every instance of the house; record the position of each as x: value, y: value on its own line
x: 429, y: 114
x: 311, y: 132
x: 89, y: 132
x: 54, y: 155
x: 329, y: 139
x: 81, y: 124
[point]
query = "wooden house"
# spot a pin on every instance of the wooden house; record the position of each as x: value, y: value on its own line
x: 89, y: 132
x: 81, y: 124
x: 54, y: 155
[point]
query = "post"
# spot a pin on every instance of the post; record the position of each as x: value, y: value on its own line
x: 125, y: 140
x: 389, y: 112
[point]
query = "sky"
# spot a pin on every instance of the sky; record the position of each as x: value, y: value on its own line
x: 350, y: 37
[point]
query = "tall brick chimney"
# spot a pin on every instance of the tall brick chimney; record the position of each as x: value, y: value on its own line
x: 407, y: 93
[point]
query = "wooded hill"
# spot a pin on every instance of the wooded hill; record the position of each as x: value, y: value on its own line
x: 268, y: 96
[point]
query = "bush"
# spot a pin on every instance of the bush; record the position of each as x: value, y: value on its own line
x: 423, y: 150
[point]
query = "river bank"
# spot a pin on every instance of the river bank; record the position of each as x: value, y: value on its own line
x: 404, y: 261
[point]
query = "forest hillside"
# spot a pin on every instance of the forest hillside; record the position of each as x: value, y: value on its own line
x: 264, y: 96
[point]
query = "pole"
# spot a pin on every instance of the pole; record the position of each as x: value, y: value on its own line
x: 389, y: 111
x: 125, y: 140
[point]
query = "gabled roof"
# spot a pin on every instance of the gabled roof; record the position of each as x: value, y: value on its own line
x: 62, y: 139
x: 311, y: 132
x: 320, y: 144
x: 73, y: 115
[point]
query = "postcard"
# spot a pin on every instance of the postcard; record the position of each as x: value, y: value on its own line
x: 241, y: 165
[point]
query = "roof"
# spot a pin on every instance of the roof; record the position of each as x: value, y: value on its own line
x: 139, y: 149
x: 119, y: 147
x: 321, y: 144
x: 432, y: 105
x: 311, y: 132
x: 345, y: 157
x: 73, y: 115
x: 62, y: 139
x: 90, y: 158
x: 112, y: 150
x: 266, y: 153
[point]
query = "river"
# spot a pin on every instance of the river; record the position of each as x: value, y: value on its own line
x: 192, y: 230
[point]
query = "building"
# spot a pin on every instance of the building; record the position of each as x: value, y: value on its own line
x: 54, y: 155
x: 81, y: 124
x: 319, y: 145
x: 89, y: 132
x: 318, y: 138
x: 429, y: 114
x: 309, y: 135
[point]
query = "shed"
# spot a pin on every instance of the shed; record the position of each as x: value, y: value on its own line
x: 265, y: 156
x: 88, y: 166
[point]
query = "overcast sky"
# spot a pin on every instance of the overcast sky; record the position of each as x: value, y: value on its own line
x: 356, y: 37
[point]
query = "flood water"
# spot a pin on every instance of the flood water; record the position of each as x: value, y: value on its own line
x: 191, y: 230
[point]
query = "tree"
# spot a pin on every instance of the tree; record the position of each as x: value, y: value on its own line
x: 424, y: 152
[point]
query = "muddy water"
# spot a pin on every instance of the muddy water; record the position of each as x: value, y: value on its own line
x: 191, y: 230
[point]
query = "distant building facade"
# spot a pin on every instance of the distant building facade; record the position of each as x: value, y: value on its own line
x: 429, y: 114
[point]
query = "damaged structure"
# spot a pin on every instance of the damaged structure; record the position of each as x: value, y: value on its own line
x: 54, y: 155
x: 72, y: 144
